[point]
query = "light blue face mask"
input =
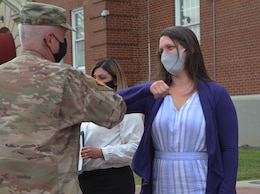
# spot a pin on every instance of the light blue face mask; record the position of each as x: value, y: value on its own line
x: 173, y: 63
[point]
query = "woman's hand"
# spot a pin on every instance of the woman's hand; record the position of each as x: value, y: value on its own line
x: 159, y: 89
x: 91, y: 152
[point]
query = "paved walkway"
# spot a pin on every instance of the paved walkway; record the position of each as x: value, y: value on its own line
x: 243, y: 187
x: 248, y: 187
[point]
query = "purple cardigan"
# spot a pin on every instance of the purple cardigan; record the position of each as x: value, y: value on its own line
x: 221, y: 135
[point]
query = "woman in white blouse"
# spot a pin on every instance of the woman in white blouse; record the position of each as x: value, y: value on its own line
x: 108, y: 153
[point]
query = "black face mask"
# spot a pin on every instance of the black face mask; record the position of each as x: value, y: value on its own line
x: 111, y: 84
x: 63, y: 50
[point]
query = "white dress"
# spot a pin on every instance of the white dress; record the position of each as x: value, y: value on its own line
x: 180, y: 163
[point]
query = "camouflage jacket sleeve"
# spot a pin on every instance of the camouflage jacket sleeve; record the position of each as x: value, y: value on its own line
x: 85, y: 99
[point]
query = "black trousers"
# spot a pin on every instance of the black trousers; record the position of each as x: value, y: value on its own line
x: 108, y: 181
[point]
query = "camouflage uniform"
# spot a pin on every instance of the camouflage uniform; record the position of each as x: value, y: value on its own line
x: 42, y: 105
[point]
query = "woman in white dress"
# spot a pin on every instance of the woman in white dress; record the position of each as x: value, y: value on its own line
x: 190, y: 141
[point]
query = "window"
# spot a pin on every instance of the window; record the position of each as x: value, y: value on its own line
x: 78, y: 42
x: 187, y: 13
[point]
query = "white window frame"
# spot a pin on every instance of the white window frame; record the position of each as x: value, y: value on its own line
x: 193, y: 25
x: 78, y: 57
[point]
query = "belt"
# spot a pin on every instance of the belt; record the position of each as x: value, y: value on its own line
x: 181, y: 155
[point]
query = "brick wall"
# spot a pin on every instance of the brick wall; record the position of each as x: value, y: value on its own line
x: 237, y: 44
x: 121, y: 35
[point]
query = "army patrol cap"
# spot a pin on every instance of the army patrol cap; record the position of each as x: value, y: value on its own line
x: 33, y: 13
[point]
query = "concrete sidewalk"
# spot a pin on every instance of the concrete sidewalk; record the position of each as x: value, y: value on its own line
x: 248, y: 187
x: 243, y: 187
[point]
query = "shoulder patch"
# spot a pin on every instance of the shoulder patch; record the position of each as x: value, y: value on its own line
x: 99, y: 83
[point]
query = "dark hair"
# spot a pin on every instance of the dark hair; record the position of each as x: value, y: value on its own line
x: 194, y: 62
x: 114, y: 69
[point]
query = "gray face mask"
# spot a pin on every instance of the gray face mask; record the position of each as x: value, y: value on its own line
x: 173, y: 63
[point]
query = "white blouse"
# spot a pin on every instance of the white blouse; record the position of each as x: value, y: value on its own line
x: 118, y: 144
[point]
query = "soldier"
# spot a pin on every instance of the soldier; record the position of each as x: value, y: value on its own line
x: 42, y: 104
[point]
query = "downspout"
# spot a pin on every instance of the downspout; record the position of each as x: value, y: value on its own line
x: 214, y: 40
x: 149, y: 44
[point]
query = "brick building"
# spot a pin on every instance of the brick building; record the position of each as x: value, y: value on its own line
x: 127, y: 30
x: 228, y: 33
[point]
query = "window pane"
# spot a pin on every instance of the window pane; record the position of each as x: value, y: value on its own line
x: 79, y: 22
x: 78, y: 39
x: 196, y: 30
x: 188, y: 14
x: 80, y: 53
x: 189, y: 10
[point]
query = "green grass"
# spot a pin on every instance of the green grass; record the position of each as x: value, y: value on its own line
x: 249, y: 164
x: 138, y: 179
x: 248, y: 168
